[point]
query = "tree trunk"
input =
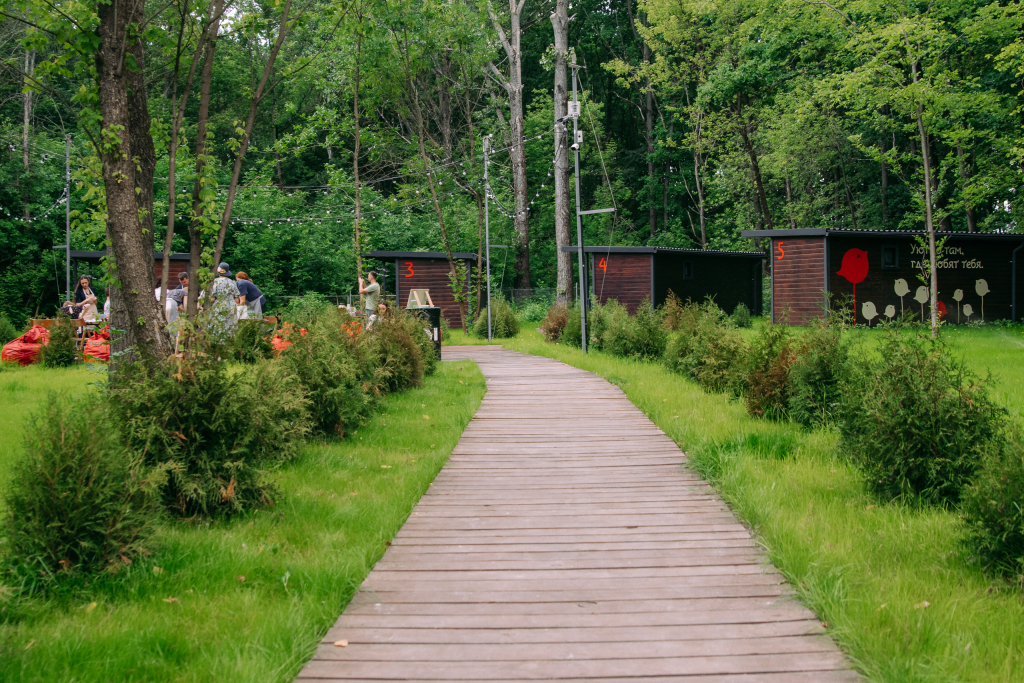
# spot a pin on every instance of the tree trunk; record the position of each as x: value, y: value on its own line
x: 133, y: 250
x: 356, y: 234
x: 755, y: 168
x: 563, y: 219
x: 195, y: 227
x: 928, y: 221
x: 789, y: 203
x: 26, y: 161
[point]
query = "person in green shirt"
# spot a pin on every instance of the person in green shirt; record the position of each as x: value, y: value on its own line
x: 372, y: 292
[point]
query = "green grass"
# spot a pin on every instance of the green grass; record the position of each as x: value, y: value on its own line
x: 460, y: 338
x: 890, y: 581
x: 187, y: 614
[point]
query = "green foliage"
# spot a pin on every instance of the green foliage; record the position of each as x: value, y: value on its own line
x: 61, y: 350
x: 303, y: 310
x: 915, y: 420
x: 78, y: 502
x: 640, y: 336
x: 533, y: 310
x: 993, y: 507
x: 214, y: 429
x: 334, y: 379
x: 572, y: 333
x: 706, y: 347
x: 504, y: 323
x: 394, y: 345
x: 8, y: 332
x: 768, y: 384
x: 251, y: 342
x: 555, y: 321
x: 741, y: 315
x: 818, y: 374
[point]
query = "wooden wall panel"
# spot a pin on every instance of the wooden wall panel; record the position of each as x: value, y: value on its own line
x: 798, y: 281
x: 432, y: 274
x: 623, y: 277
x: 728, y: 279
x: 965, y: 262
x: 174, y: 267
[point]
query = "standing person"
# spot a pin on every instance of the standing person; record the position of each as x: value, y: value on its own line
x: 177, y: 298
x: 226, y: 299
x: 372, y: 292
x: 253, y: 296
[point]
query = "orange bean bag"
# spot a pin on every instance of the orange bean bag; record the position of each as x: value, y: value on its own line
x: 25, y: 349
x: 97, y: 346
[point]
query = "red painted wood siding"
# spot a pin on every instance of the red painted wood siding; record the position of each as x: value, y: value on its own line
x: 798, y: 280
x: 623, y: 277
x: 432, y: 274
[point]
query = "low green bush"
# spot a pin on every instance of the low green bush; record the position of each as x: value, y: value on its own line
x: 337, y: 382
x: 993, y: 508
x: 818, y: 375
x: 572, y: 333
x: 915, y: 420
x: 78, y: 502
x: 394, y: 348
x: 8, y: 332
x: 706, y: 348
x: 61, y: 350
x: 214, y: 430
x: 533, y: 310
x: 555, y: 321
x: 741, y: 315
x: 504, y: 323
x: 641, y: 336
x: 303, y: 310
x: 251, y: 343
x: 768, y: 386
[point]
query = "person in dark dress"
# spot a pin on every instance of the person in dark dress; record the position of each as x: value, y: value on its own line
x: 254, y: 298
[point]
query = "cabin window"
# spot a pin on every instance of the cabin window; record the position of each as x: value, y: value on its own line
x: 687, y: 270
x: 890, y: 258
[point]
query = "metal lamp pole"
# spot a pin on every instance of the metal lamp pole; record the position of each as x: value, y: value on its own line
x: 487, y: 231
x: 67, y: 215
x: 574, y: 112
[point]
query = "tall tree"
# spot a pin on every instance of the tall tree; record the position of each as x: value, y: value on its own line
x: 563, y: 226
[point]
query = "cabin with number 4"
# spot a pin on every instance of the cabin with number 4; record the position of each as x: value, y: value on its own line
x: 426, y: 270
x: 633, y: 275
x: 879, y: 274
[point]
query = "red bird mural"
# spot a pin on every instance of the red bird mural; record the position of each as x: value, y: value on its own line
x: 854, y: 269
x: 942, y: 310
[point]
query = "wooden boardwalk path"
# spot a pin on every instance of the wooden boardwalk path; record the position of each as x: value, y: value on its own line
x: 562, y: 540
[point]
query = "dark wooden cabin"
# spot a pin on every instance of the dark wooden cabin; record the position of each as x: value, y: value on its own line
x: 426, y: 270
x: 878, y: 272
x: 91, y: 260
x: 632, y: 275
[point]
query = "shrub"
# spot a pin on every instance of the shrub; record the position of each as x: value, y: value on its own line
x: 992, y: 507
x: 741, y: 315
x: 8, y: 332
x: 640, y: 337
x: 768, y: 384
x: 62, y: 349
x: 572, y: 333
x: 533, y: 310
x: 818, y: 374
x: 212, y: 428
x: 504, y: 323
x: 78, y: 502
x: 674, y: 313
x: 303, y: 310
x: 609, y: 327
x: 393, y: 346
x: 555, y: 321
x: 335, y: 380
x: 252, y: 342
x: 706, y: 348
x: 915, y: 420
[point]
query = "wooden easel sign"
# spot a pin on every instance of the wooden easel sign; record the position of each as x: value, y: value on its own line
x: 419, y: 298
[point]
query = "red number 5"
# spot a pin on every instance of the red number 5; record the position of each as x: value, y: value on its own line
x: 408, y: 267
x: 781, y: 252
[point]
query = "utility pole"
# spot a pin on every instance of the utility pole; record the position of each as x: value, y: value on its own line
x: 487, y: 231
x: 577, y: 136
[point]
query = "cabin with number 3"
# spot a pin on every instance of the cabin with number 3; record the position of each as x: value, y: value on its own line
x: 430, y: 270
x: 880, y: 275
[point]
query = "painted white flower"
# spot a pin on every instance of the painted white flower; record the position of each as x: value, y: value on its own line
x: 921, y: 295
x: 981, y: 287
x: 958, y: 295
x: 869, y: 311
x: 902, y: 289
x: 968, y: 310
x: 890, y: 311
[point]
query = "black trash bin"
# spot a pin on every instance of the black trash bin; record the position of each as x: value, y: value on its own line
x: 431, y: 315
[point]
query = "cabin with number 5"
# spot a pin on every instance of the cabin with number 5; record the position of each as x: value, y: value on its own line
x: 880, y: 275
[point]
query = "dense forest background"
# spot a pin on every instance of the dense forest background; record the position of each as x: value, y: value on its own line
x: 701, y: 119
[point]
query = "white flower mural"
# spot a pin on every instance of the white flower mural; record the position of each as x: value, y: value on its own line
x: 890, y: 311
x: 921, y: 297
x: 869, y: 311
x: 958, y: 296
x: 968, y: 310
x: 981, y: 287
x: 902, y: 289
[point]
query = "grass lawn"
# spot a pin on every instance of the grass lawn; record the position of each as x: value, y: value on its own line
x: 460, y: 338
x: 245, y: 600
x: 890, y: 582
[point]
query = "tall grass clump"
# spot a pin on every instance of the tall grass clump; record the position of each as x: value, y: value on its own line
x: 993, y: 507
x: 705, y: 347
x: 334, y: 378
x: 214, y: 430
x: 61, y: 349
x: 768, y: 386
x: 818, y: 374
x: 915, y: 420
x: 78, y: 503
x: 504, y: 323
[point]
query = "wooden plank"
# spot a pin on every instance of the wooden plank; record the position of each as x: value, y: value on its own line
x: 571, y: 543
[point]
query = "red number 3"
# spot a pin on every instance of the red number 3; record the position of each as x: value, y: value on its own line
x: 408, y: 267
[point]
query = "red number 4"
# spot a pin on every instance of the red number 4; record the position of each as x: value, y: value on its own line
x: 603, y: 265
